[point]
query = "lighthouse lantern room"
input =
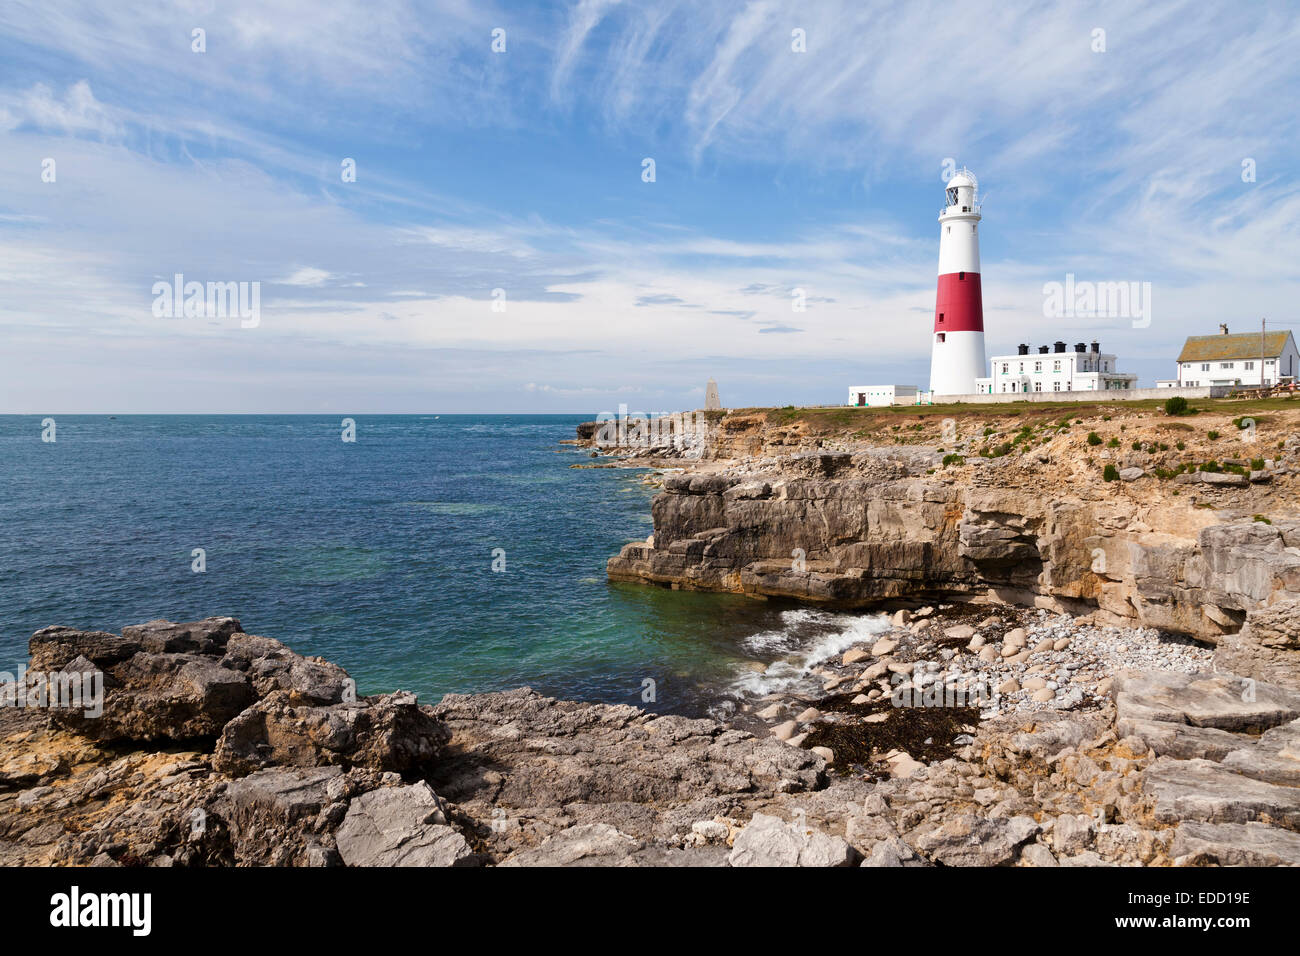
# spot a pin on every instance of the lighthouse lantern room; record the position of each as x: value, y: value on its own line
x: 957, y: 359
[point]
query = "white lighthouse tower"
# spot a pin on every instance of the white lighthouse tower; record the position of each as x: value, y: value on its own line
x: 957, y: 359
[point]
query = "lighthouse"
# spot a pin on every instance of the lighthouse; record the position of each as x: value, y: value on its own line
x: 957, y: 359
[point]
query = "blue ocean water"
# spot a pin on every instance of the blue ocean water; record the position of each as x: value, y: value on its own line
x: 378, y: 554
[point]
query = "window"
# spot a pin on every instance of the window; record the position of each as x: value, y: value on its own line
x: 1250, y: 366
x: 1004, y: 368
x: 950, y: 230
x: 940, y: 316
x: 961, y: 277
x: 1038, y: 366
x: 1056, y: 386
x: 1022, y: 368
x: 1038, y: 386
x: 1056, y: 366
x: 1205, y: 366
x: 939, y: 337
x: 1226, y: 364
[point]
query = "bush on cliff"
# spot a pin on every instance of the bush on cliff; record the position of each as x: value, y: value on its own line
x: 1176, y: 406
x: 1111, y: 473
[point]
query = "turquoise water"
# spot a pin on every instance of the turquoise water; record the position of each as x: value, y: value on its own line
x: 377, y: 554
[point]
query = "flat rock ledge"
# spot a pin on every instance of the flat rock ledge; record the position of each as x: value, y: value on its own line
x: 220, y: 748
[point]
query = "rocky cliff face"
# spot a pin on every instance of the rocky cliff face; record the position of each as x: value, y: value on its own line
x: 859, y: 526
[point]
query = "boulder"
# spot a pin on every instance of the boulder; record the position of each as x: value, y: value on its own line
x: 1203, y: 700
x: 770, y: 841
x: 969, y: 840
x: 271, y: 666
x: 387, y: 733
x: 1200, y: 790
x: 1267, y: 647
x: 594, y: 844
x: 152, y: 697
x: 401, y: 826
x: 1234, y: 844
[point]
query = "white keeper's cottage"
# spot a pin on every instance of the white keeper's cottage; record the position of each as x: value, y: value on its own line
x: 1054, y: 368
x: 1238, y: 359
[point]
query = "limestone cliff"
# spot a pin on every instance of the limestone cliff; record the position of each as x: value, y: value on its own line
x: 1187, y: 539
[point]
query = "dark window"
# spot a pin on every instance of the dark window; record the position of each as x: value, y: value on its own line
x: 961, y: 276
x: 940, y: 316
x: 939, y: 337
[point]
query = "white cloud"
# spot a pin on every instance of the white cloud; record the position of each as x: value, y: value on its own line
x: 307, y: 276
x: 76, y: 111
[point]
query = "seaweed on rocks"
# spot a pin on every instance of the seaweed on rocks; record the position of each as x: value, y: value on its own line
x: 872, y: 729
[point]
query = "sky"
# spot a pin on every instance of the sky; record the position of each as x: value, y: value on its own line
x: 502, y: 247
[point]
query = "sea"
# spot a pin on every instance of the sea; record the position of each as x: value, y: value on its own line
x: 431, y: 553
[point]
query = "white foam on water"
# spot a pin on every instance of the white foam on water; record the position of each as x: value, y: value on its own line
x: 808, y: 638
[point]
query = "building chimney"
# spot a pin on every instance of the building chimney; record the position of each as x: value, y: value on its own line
x: 1096, y: 347
x: 1023, y: 349
x: 1223, y: 328
x: 1043, y: 350
x: 1080, y: 347
x: 1060, y: 346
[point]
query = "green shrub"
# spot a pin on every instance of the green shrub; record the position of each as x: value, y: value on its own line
x: 1181, y: 446
x: 1257, y: 464
x: 1113, y: 443
x: 1176, y: 406
x: 1212, y: 436
x: 1110, y: 473
x: 953, y: 460
x: 1094, y: 439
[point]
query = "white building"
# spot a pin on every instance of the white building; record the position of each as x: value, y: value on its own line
x: 867, y: 395
x: 1238, y: 359
x: 1054, y: 369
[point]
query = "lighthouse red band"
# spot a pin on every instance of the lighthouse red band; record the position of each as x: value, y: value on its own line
x: 957, y: 356
x: 958, y: 306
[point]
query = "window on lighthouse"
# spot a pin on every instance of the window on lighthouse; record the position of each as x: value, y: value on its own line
x: 940, y: 337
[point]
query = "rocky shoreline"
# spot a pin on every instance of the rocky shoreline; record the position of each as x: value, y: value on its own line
x: 1074, y: 672
x: 219, y: 748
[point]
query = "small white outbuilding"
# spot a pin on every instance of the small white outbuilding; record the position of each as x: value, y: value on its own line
x: 868, y: 395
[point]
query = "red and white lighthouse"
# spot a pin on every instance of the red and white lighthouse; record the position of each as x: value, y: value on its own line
x: 957, y: 359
